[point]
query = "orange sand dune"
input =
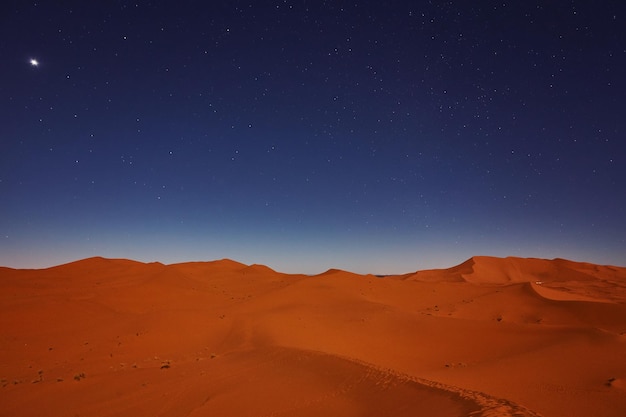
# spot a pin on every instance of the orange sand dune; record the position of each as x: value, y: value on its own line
x: 490, y: 337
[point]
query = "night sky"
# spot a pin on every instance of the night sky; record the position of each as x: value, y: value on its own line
x: 371, y: 136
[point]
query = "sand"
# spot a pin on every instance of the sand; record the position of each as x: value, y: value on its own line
x: 489, y: 337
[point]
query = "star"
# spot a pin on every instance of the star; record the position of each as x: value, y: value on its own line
x: 34, y: 62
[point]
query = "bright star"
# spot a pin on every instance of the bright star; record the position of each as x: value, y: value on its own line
x: 34, y: 62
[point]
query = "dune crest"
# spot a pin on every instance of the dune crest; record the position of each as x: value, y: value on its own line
x: 557, y: 279
x: 491, y: 336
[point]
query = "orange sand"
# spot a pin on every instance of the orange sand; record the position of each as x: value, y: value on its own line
x: 490, y: 337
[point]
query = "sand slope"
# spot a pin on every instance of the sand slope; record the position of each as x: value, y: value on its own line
x: 492, y: 336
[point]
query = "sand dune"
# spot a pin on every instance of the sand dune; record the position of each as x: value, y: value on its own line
x: 490, y: 337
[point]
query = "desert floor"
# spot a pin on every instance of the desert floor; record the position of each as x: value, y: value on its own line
x: 490, y: 337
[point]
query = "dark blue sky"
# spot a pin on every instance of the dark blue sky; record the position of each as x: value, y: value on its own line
x: 371, y: 136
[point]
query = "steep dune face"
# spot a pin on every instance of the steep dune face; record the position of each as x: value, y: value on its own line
x: 573, y: 280
x: 491, y: 336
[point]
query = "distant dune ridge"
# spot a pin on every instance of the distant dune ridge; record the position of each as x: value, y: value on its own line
x: 489, y: 337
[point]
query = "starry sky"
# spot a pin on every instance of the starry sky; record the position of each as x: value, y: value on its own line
x: 372, y: 136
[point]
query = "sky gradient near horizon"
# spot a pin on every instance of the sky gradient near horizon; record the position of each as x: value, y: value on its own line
x: 380, y: 137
